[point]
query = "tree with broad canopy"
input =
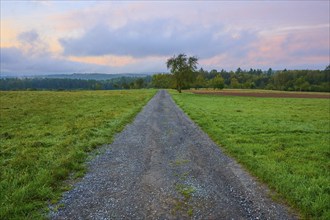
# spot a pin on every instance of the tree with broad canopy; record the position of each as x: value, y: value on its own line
x: 183, y: 69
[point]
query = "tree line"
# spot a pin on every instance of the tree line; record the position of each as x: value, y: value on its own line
x: 74, y: 84
x: 184, y: 75
x: 286, y: 80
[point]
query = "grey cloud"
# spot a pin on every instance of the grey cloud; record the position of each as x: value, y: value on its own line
x: 10, y: 56
x: 34, y: 57
x: 155, y: 38
x: 14, y: 61
x: 28, y: 37
x: 33, y: 44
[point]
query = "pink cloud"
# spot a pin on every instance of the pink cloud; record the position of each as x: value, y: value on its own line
x: 292, y: 48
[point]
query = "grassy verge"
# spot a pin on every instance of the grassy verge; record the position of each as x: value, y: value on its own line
x: 45, y: 136
x: 264, y: 91
x: 284, y: 142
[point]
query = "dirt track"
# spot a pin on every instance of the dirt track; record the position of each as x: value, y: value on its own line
x: 162, y: 166
x: 265, y: 94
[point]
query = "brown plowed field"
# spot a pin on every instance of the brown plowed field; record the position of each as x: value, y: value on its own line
x: 260, y: 93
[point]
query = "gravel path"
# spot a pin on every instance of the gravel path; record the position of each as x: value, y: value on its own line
x: 162, y: 166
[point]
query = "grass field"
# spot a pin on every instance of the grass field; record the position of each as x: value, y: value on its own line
x: 263, y: 91
x: 46, y: 136
x: 282, y: 141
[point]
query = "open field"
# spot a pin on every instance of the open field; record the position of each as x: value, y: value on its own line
x: 46, y: 136
x: 282, y: 141
x: 262, y: 93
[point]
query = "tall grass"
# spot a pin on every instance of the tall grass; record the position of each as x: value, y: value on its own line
x: 284, y: 142
x: 45, y: 136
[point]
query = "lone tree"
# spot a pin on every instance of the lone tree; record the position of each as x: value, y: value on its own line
x: 183, y: 68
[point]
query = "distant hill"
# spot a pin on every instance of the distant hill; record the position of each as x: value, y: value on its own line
x: 94, y: 76
x: 84, y: 76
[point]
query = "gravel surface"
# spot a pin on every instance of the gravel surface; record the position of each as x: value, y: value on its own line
x: 162, y: 166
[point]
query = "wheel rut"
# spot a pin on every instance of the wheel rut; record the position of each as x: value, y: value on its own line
x: 162, y: 166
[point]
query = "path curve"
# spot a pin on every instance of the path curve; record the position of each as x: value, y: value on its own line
x: 162, y: 166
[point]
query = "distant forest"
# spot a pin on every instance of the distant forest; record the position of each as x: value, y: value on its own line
x: 287, y: 80
x: 74, y: 84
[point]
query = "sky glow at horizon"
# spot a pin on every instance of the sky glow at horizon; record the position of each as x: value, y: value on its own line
x: 49, y: 37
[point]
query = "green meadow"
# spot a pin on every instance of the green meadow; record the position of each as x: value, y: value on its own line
x: 284, y: 142
x: 46, y: 138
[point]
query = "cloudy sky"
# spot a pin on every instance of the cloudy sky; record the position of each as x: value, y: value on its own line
x: 48, y: 37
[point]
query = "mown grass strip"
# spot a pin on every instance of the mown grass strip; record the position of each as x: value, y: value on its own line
x: 284, y: 142
x: 45, y: 136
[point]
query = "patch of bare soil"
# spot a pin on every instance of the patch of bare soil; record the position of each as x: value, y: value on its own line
x: 264, y: 94
x: 162, y: 166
